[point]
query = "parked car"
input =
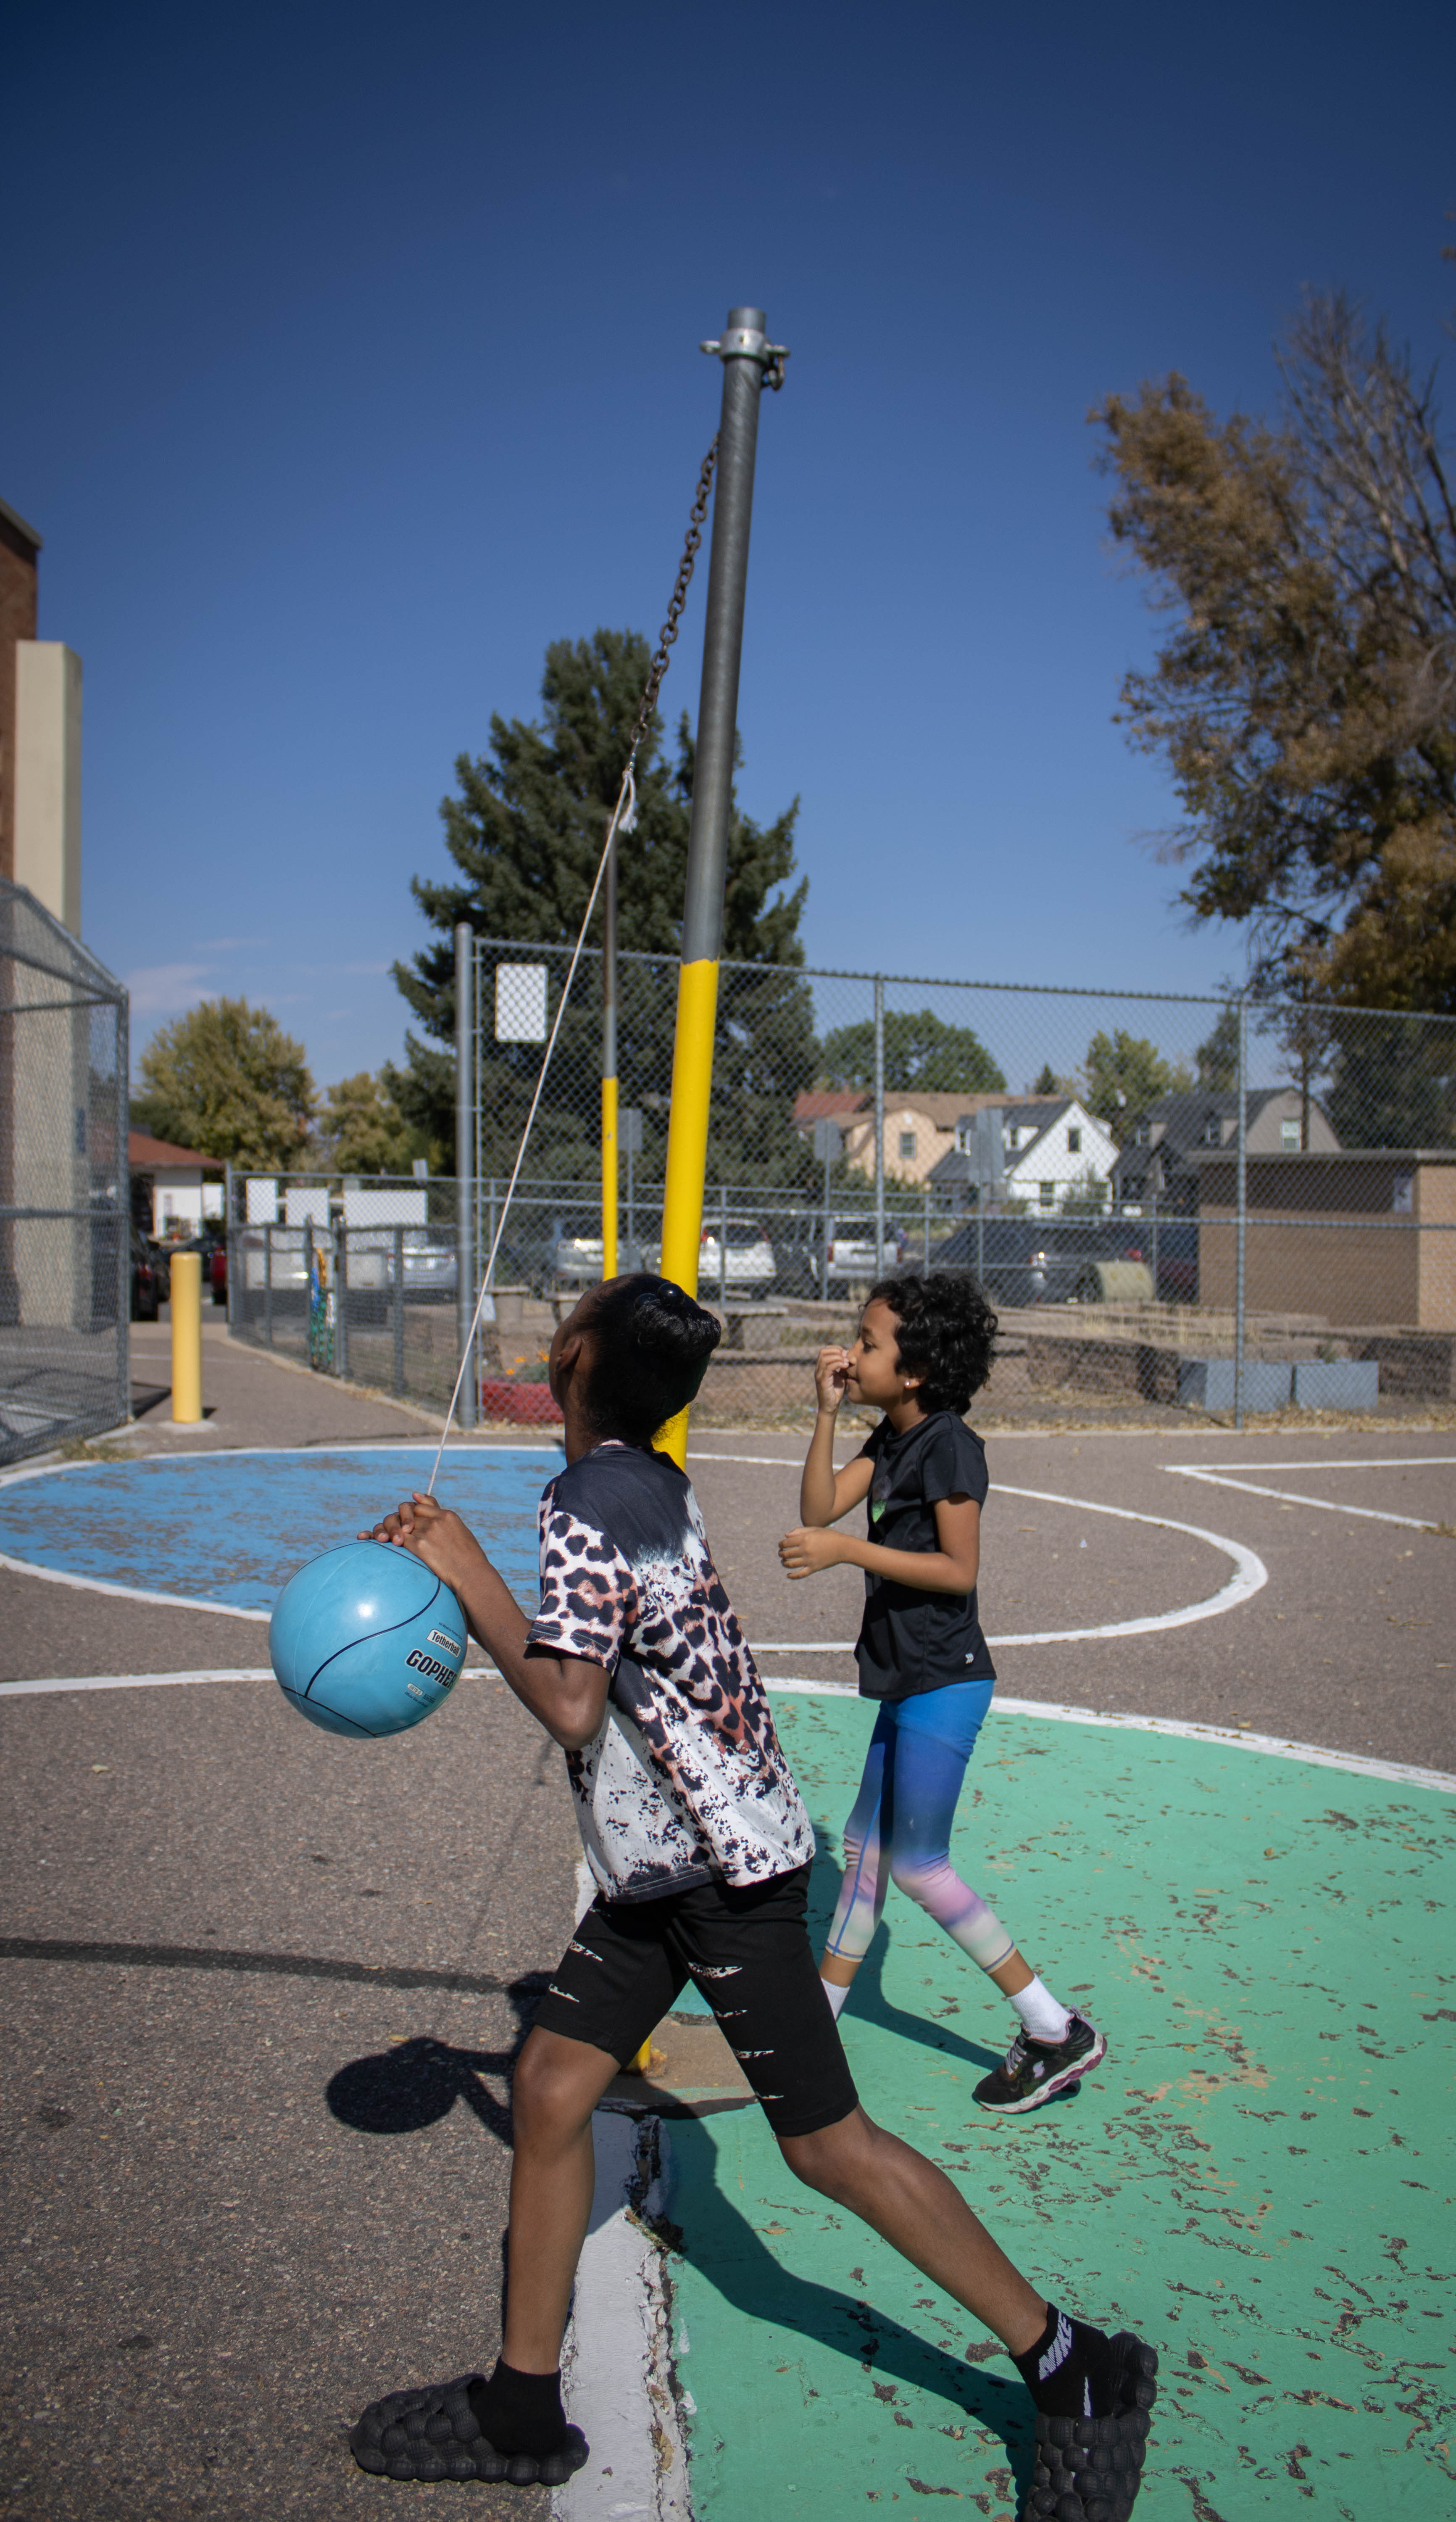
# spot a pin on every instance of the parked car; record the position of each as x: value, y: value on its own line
x: 211, y: 1245
x: 146, y: 1279
x: 851, y: 1251
x: 741, y: 1264
x: 577, y: 1260
x: 1033, y: 1261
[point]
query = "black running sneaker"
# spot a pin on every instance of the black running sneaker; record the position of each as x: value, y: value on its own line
x: 1090, y: 2470
x: 1033, y: 2071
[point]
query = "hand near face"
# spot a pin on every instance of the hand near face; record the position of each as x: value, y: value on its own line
x: 831, y: 1377
x: 808, y: 1550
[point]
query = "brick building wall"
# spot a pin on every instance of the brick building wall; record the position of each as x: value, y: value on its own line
x: 20, y: 545
x: 1362, y: 1236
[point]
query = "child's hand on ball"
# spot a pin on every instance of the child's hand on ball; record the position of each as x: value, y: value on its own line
x: 435, y: 1535
x: 808, y: 1550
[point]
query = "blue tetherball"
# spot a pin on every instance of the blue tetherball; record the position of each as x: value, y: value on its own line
x: 366, y: 1640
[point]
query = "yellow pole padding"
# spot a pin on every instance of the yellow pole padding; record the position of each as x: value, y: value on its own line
x: 609, y: 1177
x: 187, y: 1337
x: 687, y: 1152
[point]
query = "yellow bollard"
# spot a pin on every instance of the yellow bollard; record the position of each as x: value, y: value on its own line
x: 187, y: 1337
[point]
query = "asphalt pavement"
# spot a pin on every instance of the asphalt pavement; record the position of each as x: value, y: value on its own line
x: 263, y: 1988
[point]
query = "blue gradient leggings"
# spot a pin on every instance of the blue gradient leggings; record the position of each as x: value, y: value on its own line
x: 900, y: 1831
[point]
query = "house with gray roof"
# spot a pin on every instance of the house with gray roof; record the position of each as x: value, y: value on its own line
x: 1163, y: 1142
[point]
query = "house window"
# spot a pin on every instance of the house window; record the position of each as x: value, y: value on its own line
x: 1047, y: 1192
x: 1289, y: 1136
x: 1143, y: 1135
x: 1074, y: 1142
x: 907, y: 1142
x: 1212, y: 1134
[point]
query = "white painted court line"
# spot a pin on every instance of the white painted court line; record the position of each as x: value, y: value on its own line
x: 1273, y: 1746
x: 188, y: 1462
x: 130, y: 1593
x: 1249, y: 1572
x: 1326, y: 1505
x: 134, y: 1680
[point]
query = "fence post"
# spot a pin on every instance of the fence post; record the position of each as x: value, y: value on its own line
x: 267, y: 1284
x: 1241, y: 1221
x: 879, y: 1124
x: 926, y: 1187
x: 123, y: 1204
x: 399, y: 1309
x: 228, y: 1205
x: 465, y: 1156
x: 341, y: 1300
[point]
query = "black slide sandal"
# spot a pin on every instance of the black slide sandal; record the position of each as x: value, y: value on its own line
x: 435, y: 2434
x: 1090, y: 2470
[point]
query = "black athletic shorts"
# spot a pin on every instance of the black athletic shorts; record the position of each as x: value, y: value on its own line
x: 747, y: 1954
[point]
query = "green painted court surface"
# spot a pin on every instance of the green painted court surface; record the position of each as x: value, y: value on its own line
x: 1258, y: 2178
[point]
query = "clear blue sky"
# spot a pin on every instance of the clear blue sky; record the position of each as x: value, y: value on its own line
x: 351, y: 357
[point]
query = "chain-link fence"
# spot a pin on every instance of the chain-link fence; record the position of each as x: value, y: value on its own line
x: 65, y: 1199
x: 1175, y: 1203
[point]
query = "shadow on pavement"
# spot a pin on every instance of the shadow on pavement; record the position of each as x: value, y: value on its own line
x: 722, y: 2245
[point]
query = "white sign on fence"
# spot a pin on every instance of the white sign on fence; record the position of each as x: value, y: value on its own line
x: 310, y: 1202
x: 383, y: 1207
x: 262, y: 1199
x: 521, y: 1003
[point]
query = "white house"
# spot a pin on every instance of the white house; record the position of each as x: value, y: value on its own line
x: 1054, y: 1151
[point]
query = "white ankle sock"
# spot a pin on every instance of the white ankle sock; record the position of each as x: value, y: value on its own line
x: 835, y: 1996
x: 1040, y: 2012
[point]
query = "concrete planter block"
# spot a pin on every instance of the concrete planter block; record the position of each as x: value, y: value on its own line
x: 1207, y: 1384
x: 1336, y: 1384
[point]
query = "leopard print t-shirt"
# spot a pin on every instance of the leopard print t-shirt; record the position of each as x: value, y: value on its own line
x: 686, y: 1780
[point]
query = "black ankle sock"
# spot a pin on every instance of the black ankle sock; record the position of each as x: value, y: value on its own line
x: 1071, y: 2370
x: 520, y: 2411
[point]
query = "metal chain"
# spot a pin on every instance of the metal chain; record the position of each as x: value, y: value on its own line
x: 669, y: 629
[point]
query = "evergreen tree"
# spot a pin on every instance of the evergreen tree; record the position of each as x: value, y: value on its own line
x: 525, y: 830
x: 1216, y: 1060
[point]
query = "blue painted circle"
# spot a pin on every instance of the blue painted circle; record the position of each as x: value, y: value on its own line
x: 232, y: 1528
x: 366, y: 1640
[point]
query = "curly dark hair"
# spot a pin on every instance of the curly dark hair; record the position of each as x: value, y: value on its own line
x: 944, y: 1335
x: 653, y: 1344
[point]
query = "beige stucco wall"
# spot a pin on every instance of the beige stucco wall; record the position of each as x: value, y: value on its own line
x: 48, y: 777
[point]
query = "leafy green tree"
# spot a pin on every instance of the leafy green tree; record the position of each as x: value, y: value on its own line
x: 920, y: 1049
x: 227, y: 1080
x: 1048, y: 1082
x: 1303, y: 700
x: 526, y: 832
x: 361, y: 1129
x: 1123, y: 1072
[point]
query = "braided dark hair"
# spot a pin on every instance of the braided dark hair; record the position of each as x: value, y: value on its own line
x: 945, y: 1334
x: 653, y: 1344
